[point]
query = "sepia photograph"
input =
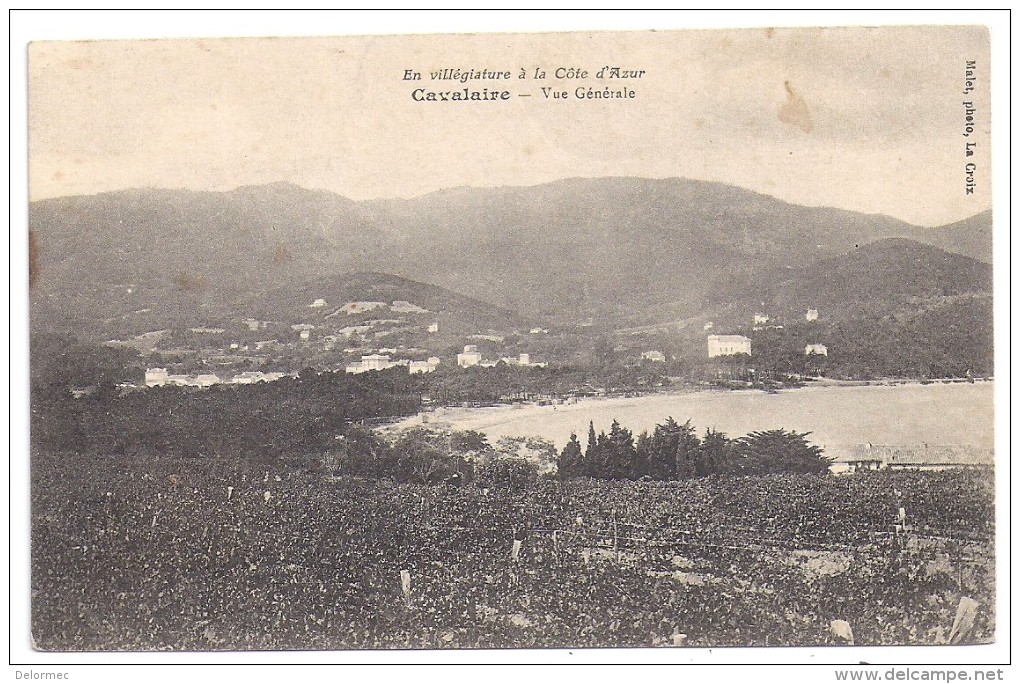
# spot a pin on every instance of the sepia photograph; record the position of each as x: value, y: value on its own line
x: 673, y: 339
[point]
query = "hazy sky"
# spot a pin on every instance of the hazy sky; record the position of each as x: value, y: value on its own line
x: 864, y: 119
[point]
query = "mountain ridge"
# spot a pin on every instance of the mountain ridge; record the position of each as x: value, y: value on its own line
x: 567, y: 250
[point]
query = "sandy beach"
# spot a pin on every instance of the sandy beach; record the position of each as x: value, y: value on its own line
x: 944, y: 413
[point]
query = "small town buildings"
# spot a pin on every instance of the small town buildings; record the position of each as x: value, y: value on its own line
x: 761, y: 319
x: 811, y: 315
x: 371, y: 362
x: 470, y: 356
x: 848, y: 459
x: 728, y: 345
x: 352, y: 308
x: 434, y: 328
x: 855, y: 464
x: 708, y: 326
x: 203, y: 380
x: 156, y: 377
x: 318, y: 304
x: 656, y: 356
x: 423, y: 366
x: 819, y: 349
x: 523, y: 359
x: 249, y: 378
x: 304, y: 330
x: 206, y: 380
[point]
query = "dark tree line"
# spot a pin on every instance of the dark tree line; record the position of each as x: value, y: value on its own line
x: 450, y: 384
x: 673, y: 451
x: 953, y: 338
x: 292, y: 417
x: 452, y: 457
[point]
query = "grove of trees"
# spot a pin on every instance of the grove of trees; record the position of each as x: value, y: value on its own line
x: 673, y: 451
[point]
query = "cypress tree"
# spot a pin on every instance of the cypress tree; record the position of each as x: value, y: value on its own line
x: 591, y: 454
x: 569, y: 463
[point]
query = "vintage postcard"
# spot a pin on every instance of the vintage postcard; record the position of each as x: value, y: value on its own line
x: 676, y: 339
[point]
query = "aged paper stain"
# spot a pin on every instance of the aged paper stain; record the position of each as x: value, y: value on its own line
x: 795, y: 110
x: 191, y: 283
x: 282, y: 255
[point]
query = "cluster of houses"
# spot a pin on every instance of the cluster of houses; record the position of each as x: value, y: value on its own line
x: 728, y: 345
x: 323, y: 335
x: 848, y: 459
x: 360, y: 307
x: 373, y: 362
x: 472, y: 357
x: 718, y: 346
x: 304, y: 330
x: 158, y: 377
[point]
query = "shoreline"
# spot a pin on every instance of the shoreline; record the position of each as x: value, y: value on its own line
x: 835, y: 412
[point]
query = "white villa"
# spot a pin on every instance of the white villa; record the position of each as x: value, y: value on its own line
x: 727, y: 345
x: 819, y: 349
x: 470, y: 356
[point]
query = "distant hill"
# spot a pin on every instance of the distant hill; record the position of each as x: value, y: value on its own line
x: 876, y: 278
x: 319, y: 302
x: 185, y: 256
x: 609, y: 247
x: 616, y: 250
x: 888, y: 275
x: 970, y: 237
x: 885, y: 274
